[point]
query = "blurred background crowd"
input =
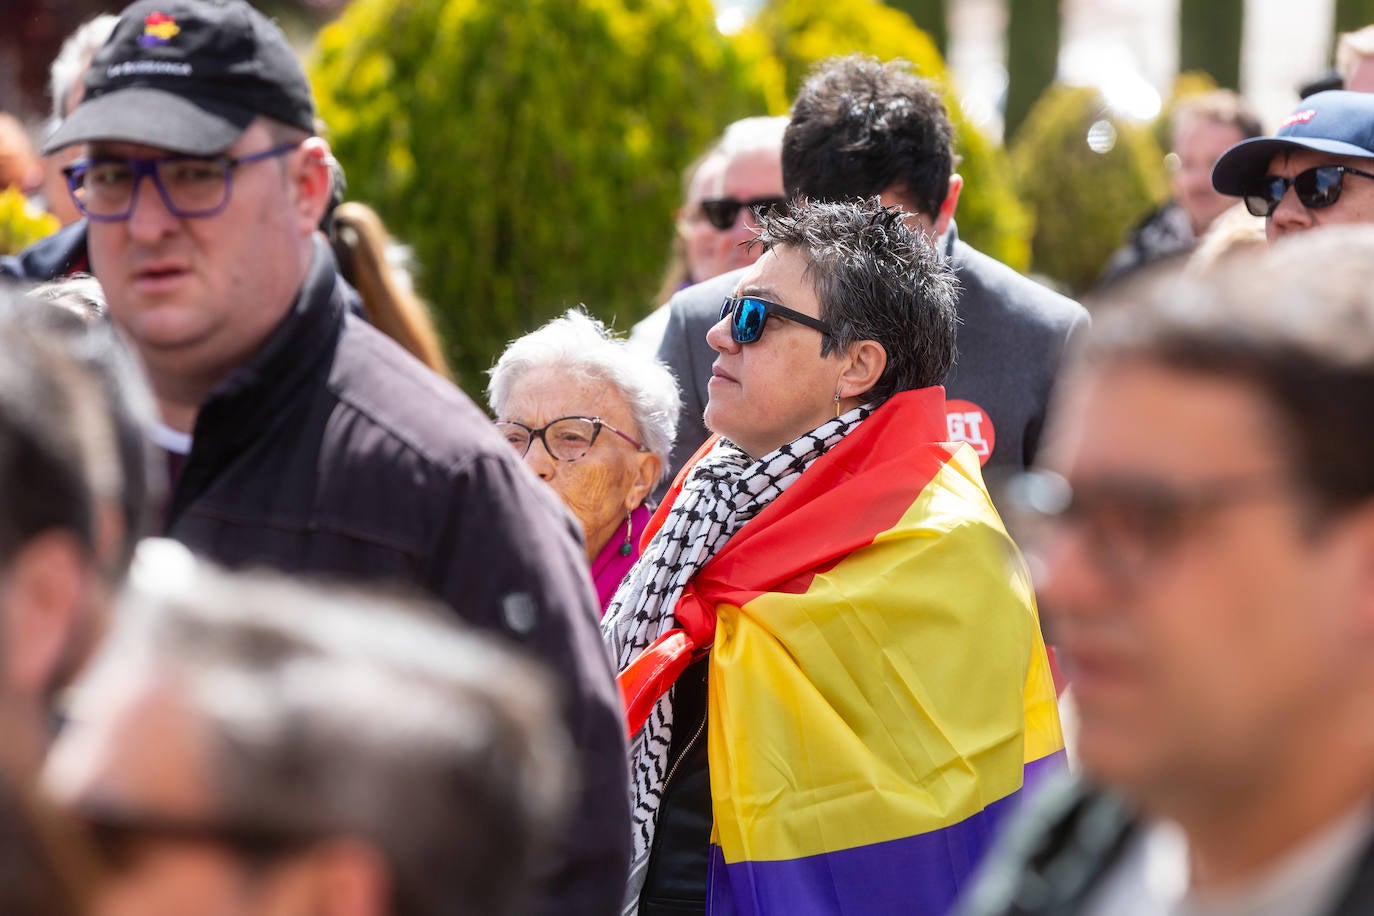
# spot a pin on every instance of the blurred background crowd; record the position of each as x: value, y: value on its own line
x: 566, y: 170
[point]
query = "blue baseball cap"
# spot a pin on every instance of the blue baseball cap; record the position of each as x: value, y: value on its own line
x: 1337, y: 122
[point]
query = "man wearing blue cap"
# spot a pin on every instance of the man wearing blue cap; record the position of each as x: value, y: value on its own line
x: 1323, y: 151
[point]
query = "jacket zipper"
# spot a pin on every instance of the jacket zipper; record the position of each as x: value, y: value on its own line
x: 691, y: 743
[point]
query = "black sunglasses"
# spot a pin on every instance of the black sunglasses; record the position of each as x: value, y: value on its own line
x: 722, y: 212
x: 1316, y: 188
x: 748, y: 315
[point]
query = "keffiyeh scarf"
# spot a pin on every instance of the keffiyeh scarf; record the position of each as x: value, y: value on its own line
x: 724, y: 490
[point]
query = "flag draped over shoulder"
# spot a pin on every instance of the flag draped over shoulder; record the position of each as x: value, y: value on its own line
x: 878, y: 686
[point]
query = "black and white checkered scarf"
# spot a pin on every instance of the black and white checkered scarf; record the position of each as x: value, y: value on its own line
x: 725, y: 489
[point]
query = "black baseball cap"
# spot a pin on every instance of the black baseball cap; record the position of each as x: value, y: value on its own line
x: 1337, y: 122
x: 188, y: 76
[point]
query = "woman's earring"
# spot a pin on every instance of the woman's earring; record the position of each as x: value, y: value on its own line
x: 837, y: 405
x: 628, y: 547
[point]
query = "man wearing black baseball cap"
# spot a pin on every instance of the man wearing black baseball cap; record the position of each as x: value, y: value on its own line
x: 299, y: 437
x: 1323, y: 152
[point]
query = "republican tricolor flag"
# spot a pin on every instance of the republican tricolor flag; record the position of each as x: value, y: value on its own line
x: 878, y: 690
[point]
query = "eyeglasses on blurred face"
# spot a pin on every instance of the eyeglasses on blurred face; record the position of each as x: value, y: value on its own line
x: 121, y: 838
x: 1316, y: 188
x: 565, y: 439
x: 1128, y: 525
x: 105, y: 189
x: 749, y: 314
x: 721, y: 212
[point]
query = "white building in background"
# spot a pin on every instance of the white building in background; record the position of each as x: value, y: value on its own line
x: 1127, y: 47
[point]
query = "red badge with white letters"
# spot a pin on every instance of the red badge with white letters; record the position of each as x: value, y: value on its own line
x: 970, y: 423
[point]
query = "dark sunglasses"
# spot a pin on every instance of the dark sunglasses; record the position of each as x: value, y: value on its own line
x: 722, y: 212
x: 1316, y: 188
x: 748, y: 315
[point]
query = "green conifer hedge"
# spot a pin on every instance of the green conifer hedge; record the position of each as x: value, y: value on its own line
x: 530, y: 150
x: 1088, y: 177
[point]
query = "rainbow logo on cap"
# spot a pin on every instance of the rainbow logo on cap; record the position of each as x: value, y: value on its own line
x: 158, y: 29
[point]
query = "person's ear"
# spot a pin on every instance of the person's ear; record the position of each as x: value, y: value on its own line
x: 311, y: 182
x: 864, y: 363
x: 45, y: 595
x: 648, y: 468
x: 947, y: 206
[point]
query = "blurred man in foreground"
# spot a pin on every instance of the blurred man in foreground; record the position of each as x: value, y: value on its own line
x: 60, y: 529
x: 1208, y: 568
x: 248, y: 745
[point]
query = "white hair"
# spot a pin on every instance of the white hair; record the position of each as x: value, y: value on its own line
x: 749, y: 134
x: 585, y: 348
x: 74, y: 58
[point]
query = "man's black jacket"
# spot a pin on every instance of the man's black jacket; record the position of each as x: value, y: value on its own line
x: 333, y: 452
x: 1056, y: 852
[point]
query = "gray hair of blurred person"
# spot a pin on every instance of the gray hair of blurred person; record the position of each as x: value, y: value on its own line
x: 585, y: 348
x: 1296, y: 323
x: 875, y: 279
x: 73, y: 59
x: 1218, y: 106
x: 74, y: 312
x: 341, y: 713
x: 60, y: 459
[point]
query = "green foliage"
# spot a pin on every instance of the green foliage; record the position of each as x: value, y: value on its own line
x: 1084, y: 202
x: 804, y: 32
x: 929, y: 16
x: 20, y: 223
x: 1032, y: 56
x: 1353, y: 14
x: 1209, y: 35
x: 530, y: 150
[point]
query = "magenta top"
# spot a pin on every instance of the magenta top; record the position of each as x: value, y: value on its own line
x: 611, y: 564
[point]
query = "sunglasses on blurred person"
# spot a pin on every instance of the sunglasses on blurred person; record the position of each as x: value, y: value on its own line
x: 722, y: 212
x: 1316, y: 188
x: 749, y: 314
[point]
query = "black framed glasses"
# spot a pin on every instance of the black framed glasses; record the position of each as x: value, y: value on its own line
x: 721, y: 212
x: 105, y: 189
x: 1126, y: 524
x: 1316, y: 188
x: 748, y: 315
x: 565, y: 439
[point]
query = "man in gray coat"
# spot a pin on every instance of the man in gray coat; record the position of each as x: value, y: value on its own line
x: 860, y: 128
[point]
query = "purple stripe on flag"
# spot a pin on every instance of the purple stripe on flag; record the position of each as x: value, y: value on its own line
x: 916, y: 875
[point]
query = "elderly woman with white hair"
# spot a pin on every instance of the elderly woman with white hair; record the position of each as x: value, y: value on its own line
x: 603, y: 416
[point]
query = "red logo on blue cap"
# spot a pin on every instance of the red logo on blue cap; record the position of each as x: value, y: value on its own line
x: 158, y: 29
x: 1299, y: 117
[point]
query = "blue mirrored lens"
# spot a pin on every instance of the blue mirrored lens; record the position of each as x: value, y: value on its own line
x: 750, y: 315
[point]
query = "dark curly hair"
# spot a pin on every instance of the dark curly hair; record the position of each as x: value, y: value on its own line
x: 861, y: 127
